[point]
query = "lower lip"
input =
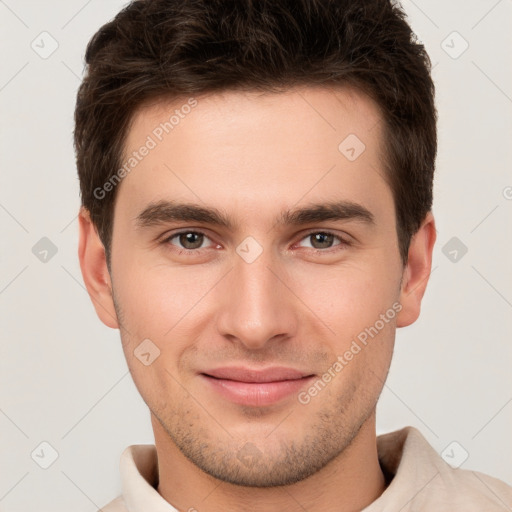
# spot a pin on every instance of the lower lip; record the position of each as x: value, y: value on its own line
x: 256, y: 393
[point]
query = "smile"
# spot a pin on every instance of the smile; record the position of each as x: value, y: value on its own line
x: 256, y: 388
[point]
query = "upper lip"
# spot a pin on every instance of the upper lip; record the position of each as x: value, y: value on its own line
x: 244, y: 374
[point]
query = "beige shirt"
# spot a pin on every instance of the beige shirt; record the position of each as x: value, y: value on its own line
x: 421, y: 481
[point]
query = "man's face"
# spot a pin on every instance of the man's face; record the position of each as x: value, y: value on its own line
x: 224, y: 303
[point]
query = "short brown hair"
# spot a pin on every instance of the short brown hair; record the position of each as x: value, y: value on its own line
x: 172, y: 48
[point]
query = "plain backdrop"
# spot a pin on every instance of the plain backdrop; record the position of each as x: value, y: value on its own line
x: 63, y: 378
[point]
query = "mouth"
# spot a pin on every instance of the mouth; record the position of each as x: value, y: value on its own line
x: 256, y: 388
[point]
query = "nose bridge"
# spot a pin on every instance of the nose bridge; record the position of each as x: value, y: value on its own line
x: 256, y: 306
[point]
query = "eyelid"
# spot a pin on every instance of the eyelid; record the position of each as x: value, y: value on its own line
x: 344, y: 240
x: 168, y: 236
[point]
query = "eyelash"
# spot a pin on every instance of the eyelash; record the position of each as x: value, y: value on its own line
x: 342, y: 242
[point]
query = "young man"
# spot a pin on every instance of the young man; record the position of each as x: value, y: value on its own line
x: 256, y: 181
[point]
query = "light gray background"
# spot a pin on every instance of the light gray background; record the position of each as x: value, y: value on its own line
x: 63, y: 377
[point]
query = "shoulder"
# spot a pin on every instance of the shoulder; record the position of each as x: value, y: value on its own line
x: 473, y: 490
x: 422, y: 480
x: 116, y: 505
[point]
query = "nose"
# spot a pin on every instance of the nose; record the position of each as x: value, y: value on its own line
x: 256, y: 305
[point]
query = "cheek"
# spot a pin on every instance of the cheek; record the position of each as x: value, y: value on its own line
x: 157, y: 383
x: 347, y: 298
x: 158, y: 300
x: 155, y: 299
x: 166, y: 306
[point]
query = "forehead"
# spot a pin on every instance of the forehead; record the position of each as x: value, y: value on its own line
x: 240, y: 148
x: 317, y: 110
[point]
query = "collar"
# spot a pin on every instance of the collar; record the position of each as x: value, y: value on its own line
x: 407, y: 460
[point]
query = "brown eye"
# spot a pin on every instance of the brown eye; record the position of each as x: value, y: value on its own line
x: 323, y: 240
x: 191, y: 240
x: 187, y: 240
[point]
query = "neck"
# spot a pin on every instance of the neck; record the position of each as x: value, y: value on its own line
x: 349, y: 482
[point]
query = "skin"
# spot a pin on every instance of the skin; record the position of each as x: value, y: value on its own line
x: 254, y: 155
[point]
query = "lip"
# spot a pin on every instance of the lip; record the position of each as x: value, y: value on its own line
x: 253, y: 387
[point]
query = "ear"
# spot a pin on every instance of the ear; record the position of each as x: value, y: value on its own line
x: 93, y: 264
x: 417, y: 272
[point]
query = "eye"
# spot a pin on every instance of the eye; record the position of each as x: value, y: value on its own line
x: 188, y: 240
x: 324, y: 240
x: 194, y: 241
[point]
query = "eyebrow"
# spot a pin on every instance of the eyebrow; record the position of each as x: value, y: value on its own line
x: 166, y: 211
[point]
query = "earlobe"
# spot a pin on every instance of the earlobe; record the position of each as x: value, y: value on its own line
x: 417, y: 272
x: 93, y: 264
